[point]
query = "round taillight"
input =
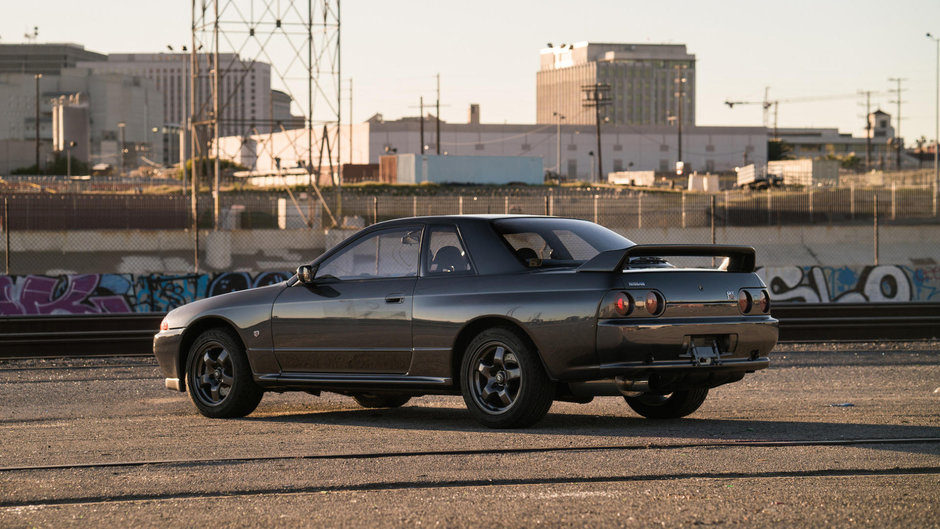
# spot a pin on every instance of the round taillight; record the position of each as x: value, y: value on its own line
x: 764, y: 301
x: 624, y: 304
x: 164, y: 325
x: 654, y: 303
x: 745, y: 301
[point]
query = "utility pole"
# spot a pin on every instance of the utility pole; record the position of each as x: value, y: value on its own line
x: 350, y: 122
x: 38, y: 168
x: 898, y: 145
x: 195, y: 150
x: 936, y: 137
x: 438, y: 116
x: 421, y: 118
x: 216, y: 121
x: 597, y: 95
x: 558, y: 142
x: 867, y: 130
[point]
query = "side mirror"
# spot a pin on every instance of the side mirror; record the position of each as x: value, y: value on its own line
x: 411, y: 238
x: 306, y: 274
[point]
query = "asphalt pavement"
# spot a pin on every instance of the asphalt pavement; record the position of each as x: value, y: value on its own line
x: 830, y: 436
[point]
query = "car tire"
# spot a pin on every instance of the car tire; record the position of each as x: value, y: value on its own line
x: 371, y: 400
x: 218, y: 376
x: 503, y: 382
x: 672, y: 406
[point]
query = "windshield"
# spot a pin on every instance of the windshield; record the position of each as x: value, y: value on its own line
x: 540, y: 241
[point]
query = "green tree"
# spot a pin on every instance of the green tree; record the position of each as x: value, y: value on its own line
x: 779, y: 150
x: 59, y: 166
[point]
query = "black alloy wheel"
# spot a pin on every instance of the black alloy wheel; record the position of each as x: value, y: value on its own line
x: 503, y: 382
x: 219, y: 377
x: 672, y: 406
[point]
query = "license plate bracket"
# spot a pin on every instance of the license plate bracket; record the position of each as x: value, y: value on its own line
x: 704, y: 351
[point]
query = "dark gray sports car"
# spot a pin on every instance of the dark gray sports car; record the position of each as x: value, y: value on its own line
x: 512, y: 312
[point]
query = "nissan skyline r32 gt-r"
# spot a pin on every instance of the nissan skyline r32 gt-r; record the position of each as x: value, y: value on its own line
x: 512, y: 312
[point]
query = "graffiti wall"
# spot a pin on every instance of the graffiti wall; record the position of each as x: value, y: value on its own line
x: 853, y: 284
x: 118, y: 293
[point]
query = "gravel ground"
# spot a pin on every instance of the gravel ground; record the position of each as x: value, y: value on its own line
x: 314, y: 462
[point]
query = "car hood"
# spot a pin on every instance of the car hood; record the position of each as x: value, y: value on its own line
x: 223, y: 304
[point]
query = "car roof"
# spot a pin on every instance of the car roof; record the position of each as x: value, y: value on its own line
x: 458, y: 218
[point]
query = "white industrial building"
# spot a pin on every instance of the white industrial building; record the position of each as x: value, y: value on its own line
x: 624, y: 147
x: 103, y: 113
x: 247, y: 102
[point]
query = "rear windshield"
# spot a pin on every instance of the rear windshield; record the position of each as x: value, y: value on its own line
x: 544, y: 242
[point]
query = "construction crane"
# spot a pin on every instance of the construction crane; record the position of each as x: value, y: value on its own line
x: 767, y: 103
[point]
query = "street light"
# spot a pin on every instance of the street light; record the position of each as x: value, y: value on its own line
x: 558, y: 146
x: 68, y: 159
x: 121, y: 125
x: 936, y: 140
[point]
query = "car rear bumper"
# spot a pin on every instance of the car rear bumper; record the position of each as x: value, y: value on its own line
x: 685, y: 352
x: 166, y: 348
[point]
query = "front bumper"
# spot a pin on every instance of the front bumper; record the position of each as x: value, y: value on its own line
x: 166, y: 348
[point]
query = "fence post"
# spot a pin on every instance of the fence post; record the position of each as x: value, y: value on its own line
x: 595, y: 209
x: 726, y: 208
x: 506, y: 203
x: 6, y: 234
x: 876, y: 229
x: 770, y: 216
x: 894, y: 200
x: 460, y: 205
x: 546, y: 204
x: 852, y: 200
x: 375, y: 210
x: 811, y: 194
x: 935, y: 191
x: 683, y: 209
x: 639, y: 210
x: 713, y: 220
x: 414, y: 205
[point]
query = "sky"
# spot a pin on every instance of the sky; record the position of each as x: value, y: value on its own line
x: 487, y: 51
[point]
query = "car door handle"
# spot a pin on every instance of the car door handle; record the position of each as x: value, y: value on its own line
x: 395, y: 298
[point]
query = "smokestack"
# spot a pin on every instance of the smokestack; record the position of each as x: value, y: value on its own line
x: 473, y: 115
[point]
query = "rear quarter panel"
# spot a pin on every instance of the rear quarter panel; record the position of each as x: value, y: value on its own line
x: 555, y: 308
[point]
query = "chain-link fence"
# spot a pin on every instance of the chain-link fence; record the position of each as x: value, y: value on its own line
x: 65, y: 233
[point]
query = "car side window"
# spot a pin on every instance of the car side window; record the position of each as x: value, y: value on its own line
x: 446, y: 254
x: 384, y: 254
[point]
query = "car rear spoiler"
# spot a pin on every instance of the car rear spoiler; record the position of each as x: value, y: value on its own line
x: 740, y: 258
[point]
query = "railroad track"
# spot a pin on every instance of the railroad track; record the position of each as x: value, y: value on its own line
x: 128, y: 334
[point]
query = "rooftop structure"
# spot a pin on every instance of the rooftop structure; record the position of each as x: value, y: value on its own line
x: 648, y: 82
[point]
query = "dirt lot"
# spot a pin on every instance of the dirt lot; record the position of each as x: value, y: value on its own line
x: 830, y: 436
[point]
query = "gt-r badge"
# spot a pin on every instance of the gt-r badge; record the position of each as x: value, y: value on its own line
x: 731, y: 295
x: 636, y: 284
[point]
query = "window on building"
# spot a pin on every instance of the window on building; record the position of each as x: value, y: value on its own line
x: 526, y: 147
x: 663, y: 147
x: 710, y: 165
x: 618, y: 164
x: 663, y: 166
x: 618, y: 147
x: 478, y: 147
x: 572, y: 147
x: 709, y: 148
